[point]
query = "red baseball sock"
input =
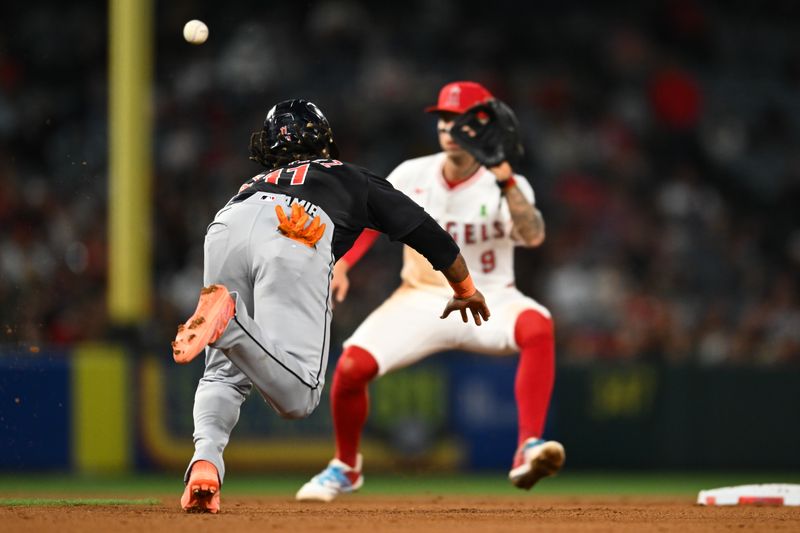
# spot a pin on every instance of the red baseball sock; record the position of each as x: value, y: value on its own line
x: 535, y: 373
x: 349, y: 401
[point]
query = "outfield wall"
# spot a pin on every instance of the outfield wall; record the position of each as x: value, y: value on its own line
x: 99, y: 409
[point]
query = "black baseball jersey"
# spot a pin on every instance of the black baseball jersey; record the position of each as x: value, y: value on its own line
x: 354, y: 198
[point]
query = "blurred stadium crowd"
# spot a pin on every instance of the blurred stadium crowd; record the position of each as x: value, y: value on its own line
x: 662, y: 140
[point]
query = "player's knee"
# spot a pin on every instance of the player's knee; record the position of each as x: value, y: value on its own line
x: 533, y: 327
x: 296, y: 414
x: 300, y: 409
x: 356, y: 368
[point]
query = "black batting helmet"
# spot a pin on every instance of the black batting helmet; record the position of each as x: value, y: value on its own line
x: 293, y: 130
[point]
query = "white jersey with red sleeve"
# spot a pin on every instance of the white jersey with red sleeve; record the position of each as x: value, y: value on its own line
x: 473, y: 211
x: 477, y: 216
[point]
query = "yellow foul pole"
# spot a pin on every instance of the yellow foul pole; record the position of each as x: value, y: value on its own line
x: 130, y: 160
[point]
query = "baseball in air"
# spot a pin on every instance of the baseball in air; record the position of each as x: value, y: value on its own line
x: 195, y: 32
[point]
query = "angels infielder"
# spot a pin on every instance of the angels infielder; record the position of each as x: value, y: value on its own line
x: 488, y: 212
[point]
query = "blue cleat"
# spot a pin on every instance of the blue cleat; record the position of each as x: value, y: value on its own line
x: 337, y: 478
x: 535, y: 459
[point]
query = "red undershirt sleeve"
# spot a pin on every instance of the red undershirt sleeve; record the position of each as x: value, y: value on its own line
x: 360, y: 247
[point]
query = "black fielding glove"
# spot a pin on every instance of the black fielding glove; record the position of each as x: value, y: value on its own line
x: 490, y: 132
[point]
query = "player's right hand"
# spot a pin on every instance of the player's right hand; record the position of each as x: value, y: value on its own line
x: 476, y: 304
x: 340, y: 283
x: 503, y: 171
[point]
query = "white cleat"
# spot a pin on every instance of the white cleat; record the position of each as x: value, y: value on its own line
x: 535, y: 459
x: 337, y: 478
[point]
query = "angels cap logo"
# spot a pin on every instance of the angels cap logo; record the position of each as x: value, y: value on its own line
x: 454, y: 98
x: 458, y: 96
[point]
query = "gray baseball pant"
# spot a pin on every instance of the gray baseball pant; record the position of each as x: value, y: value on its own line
x: 278, y: 340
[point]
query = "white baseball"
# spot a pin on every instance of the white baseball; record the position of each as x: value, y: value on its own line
x: 195, y: 32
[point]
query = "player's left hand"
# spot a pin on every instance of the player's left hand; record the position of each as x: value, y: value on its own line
x: 475, y: 304
x: 490, y: 132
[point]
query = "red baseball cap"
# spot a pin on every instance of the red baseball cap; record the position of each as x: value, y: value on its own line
x: 458, y: 96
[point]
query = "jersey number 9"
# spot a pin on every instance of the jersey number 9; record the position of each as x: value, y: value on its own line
x: 487, y: 261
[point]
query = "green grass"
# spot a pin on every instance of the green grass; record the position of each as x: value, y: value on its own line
x: 568, y: 483
x: 51, y: 502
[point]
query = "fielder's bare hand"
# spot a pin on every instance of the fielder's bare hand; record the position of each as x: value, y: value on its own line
x: 503, y: 171
x: 476, y: 304
x: 340, y: 283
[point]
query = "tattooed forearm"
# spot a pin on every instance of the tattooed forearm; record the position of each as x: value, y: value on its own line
x: 528, y: 221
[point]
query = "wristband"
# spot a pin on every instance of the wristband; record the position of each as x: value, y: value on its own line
x: 505, y: 185
x: 463, y: 289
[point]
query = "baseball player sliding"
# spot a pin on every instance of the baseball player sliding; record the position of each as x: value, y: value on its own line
x: 264, y: 316
x: 472, y: 192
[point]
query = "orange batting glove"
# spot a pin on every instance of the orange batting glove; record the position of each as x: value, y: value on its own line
x: 295, y: 227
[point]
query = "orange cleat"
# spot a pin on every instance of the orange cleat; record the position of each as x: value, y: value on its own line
x: 214, y: 310
x: 202, y: 491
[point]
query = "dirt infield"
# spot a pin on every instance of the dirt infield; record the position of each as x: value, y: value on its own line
x: 409, y: 513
